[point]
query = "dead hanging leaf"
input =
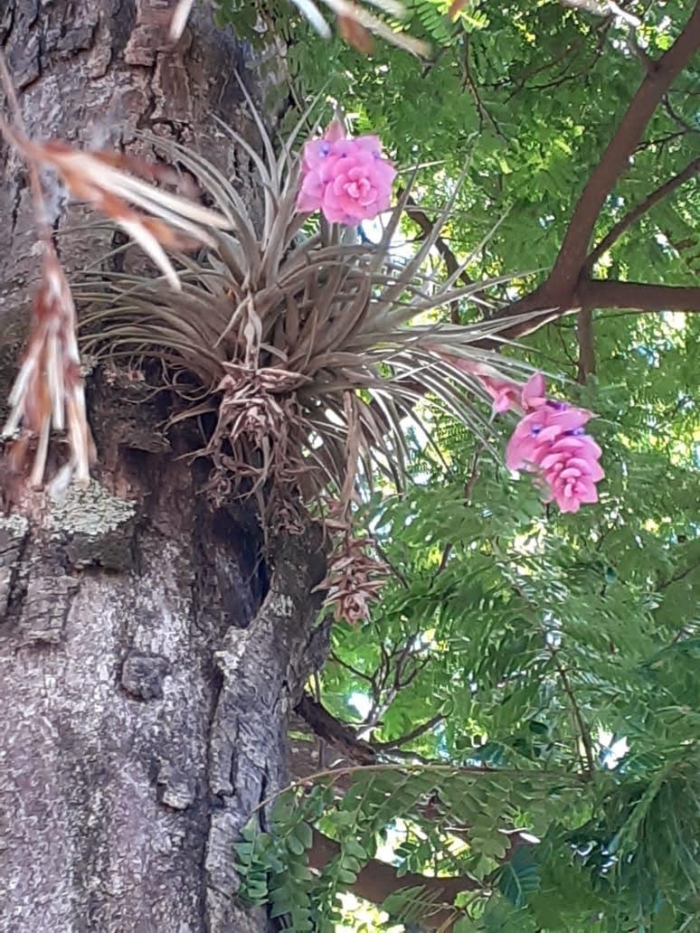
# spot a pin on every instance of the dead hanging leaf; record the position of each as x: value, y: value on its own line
x: 48, y: 392
x: 355, y: 578
x: 49, y: 388
x: 156, y: 219
x: 354, y: 23
x: 355, y: 35
x: 159, y: 172
x: 373, y: 24
x: 455, y: 8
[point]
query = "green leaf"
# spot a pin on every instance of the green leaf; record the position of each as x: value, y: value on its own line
x: 519, y: 877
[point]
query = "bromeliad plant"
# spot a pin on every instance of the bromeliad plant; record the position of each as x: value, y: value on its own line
x: 308, y: 349
x: 304, y: 350
x: 302, y: 343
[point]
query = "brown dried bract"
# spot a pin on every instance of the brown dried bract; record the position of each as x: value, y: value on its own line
x: 49, y: 389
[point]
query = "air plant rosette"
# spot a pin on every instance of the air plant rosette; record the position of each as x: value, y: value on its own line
x: 273, y: 329
x: 305, y: 353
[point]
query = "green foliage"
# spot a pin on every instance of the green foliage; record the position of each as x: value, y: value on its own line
x: 519, y: 878
x: 449, y: 818
x: 543, y: 639
x: 532, y: 92
x: 553, y: 659
x: 274, y: 868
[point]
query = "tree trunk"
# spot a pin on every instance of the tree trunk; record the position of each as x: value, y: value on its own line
x: 149, y: 654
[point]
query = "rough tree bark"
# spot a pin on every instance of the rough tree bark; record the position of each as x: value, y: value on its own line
x: 147, y: 663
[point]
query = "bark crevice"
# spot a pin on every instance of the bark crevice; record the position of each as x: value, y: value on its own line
x: 263, y: 669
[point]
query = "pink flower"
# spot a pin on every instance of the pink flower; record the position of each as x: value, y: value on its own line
x: 347, y: 179
x: 540, y: 428
x: 534, y: 393
x: 551, y: 441
x: 505, y: 394
x: 570, y: 468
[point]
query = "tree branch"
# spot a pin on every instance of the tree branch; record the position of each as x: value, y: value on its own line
x: 586, y: 348
x: 581, y: 725
x: 679, y: 575
x: 377, y: 880
x: 615, y: 232
x: 638, y: 296
x: 332, y: 730
x: 615, y: 159
x: 567, y: 287
x: 348, y: 667
x: 592, y: 294
x: 410, y: 736
x: 560, y: 292
x: 344, y: 737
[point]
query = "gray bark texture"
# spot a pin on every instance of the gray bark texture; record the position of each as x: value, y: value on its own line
x: 149, y: 653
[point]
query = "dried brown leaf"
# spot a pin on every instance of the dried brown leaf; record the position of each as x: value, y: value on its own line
x: 355, y: 35
x: 49, y: 388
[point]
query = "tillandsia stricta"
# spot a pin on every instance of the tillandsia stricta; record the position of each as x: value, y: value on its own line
x: 284, y: 318
x: 301, y: 350
x: 273, y: 328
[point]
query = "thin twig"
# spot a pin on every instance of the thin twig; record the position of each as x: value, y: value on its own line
x: 410, y: 736
x: 400, y: 576
x: 615, y: 232
x: 680, y: 575
x: 468, y: 492
x: 468, y: 82
x: 576, y: 712
x: 348, y: 667
x: 481, y: 771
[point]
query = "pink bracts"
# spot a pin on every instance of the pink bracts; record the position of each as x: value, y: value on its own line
x: 550, y: 439
x: 348, y: 180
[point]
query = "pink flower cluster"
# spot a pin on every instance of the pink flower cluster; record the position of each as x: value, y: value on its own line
x: 549, y: 440
x: 348, y: 180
